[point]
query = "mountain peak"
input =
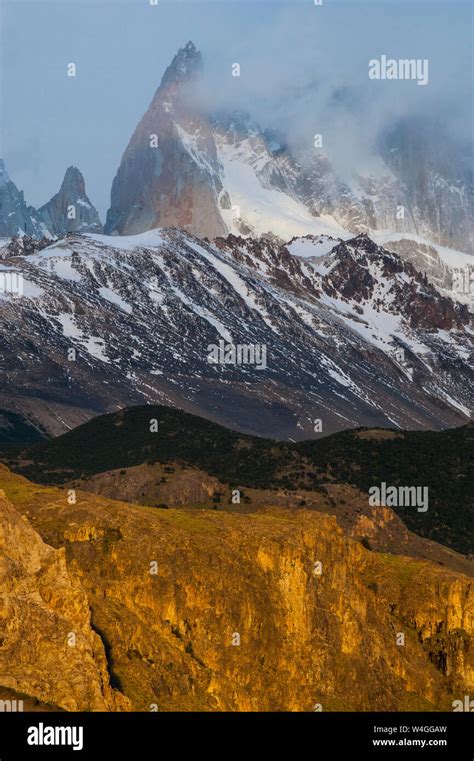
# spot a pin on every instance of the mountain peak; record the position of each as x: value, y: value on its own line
x: 184, y: 66
x: 73, y: 171
x: 177, y: 182
x: 74, y: 179
x: 70, y: 210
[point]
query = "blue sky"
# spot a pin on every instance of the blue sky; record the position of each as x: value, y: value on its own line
x: 294, y: 56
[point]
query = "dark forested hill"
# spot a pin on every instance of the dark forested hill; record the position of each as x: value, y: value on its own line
x: 441, y: 461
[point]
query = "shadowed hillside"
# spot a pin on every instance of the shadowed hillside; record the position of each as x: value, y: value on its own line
x: 442, y: 461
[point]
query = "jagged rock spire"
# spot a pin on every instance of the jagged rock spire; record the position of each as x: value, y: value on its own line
x: 169, y: 173
x: 70, y: 210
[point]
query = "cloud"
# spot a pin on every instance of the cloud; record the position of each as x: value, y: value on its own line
x: 306, y: 72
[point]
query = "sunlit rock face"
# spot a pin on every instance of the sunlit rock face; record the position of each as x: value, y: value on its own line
x: 169, y: 173
x: 48, y: 649
x: 207, y: 610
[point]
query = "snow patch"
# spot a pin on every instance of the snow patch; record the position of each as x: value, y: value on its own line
x: 114, y: 298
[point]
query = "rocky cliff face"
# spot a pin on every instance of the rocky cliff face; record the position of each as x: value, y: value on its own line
x: 212, y: 611
x: 161, y: 179
x: 70, y: 210
x: 411, y: 191
x: 436, y: 180
x: 48, y: 649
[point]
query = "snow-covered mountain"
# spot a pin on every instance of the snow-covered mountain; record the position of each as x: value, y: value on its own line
x: 210, y: 174
x: 356, y: 330
x: 352, y: 334
x: 260, y: 193
x: 452, y: 272
x: 217, y: 173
